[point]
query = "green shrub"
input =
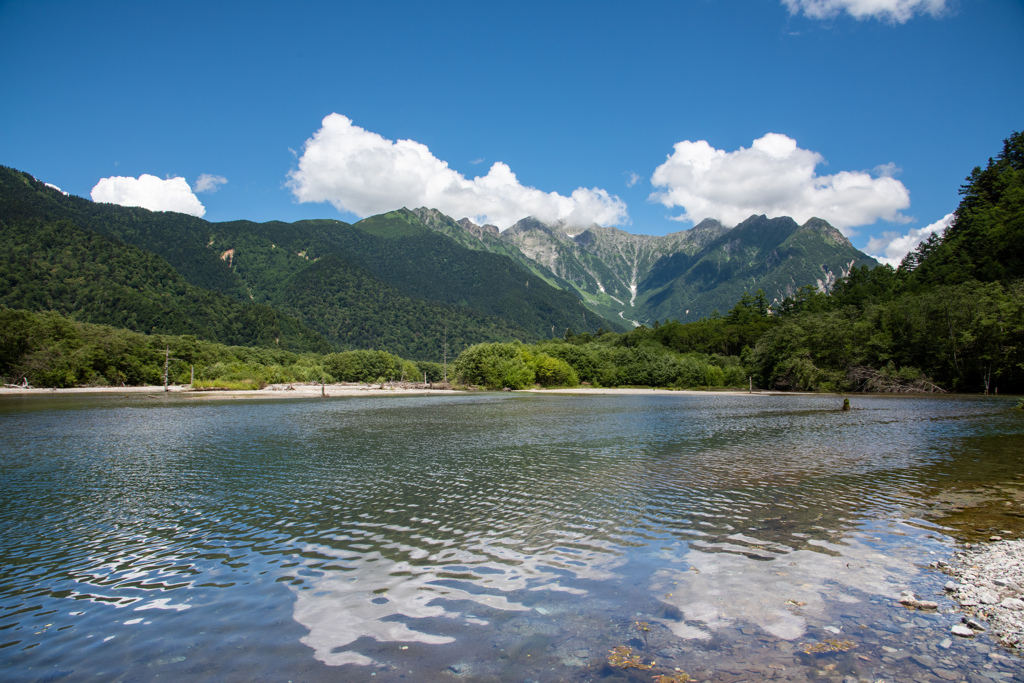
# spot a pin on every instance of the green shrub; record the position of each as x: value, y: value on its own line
x: 363, y: 366
x: 495, y: 366
x: 553, y: 372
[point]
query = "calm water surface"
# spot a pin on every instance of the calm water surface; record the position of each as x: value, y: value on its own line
x: 486, y: 537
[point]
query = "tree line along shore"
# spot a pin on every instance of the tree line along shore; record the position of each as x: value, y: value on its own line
x: 949, y: 318
x: 963, y: 337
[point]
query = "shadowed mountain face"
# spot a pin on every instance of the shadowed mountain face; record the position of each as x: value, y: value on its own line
x: 685, y: 275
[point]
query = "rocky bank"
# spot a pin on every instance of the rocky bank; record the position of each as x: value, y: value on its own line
x: 988, y: 583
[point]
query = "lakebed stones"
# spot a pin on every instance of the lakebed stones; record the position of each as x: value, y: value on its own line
x: 910, y: 600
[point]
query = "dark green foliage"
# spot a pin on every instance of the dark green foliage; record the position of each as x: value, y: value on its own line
x: 722, y: 336
x: 92, y: 278
x: 435, y: 372
x: 420, y: 261
x: 495, y: 366
x: 966, y: 337
x: 550, y: 371
x: 51, y: 350
x: 400, y: 263
x: 608, y: 363
x: 367, y: 366
x: 179, y: 239
x: 355, y: 310
x: 864, y: 286
x: 986, y: 239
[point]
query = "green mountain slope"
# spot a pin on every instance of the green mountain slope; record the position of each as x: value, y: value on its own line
x: 96, y: 279
x: 400, y: 251
x: 177, y: 238
x: 604, y: 266
x: 776, y: 255
x: 686, y: 275
x: 354, y: 310
x: 486, y: 238
x: 420, y: 282
x: 304, y: 269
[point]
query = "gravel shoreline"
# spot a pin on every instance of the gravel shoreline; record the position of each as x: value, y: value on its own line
x: 989, y: 585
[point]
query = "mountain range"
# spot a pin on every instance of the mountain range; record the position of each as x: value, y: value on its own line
x: 416, y: 282
x: 685, y: 275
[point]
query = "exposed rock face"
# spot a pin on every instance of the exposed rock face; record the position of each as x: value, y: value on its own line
x: 478, y: 230
x: 683, y: 275
x: 605, y: 261
x: 540, y: 242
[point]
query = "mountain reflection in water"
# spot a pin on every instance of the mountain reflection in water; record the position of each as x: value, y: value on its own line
x: 484, y: 537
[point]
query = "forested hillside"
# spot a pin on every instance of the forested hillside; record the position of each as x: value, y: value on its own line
x: 407, y: 259
x: 176, y: 237
x: 51, y: 350
x: 92, y: 278
x: 387, y: 283
x: 777, y: 256
x: 952, y: 314
x: 986, y: 239
x: 950, y: 318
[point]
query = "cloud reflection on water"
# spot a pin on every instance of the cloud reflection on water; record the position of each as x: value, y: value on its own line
x: 731, y: 587
x: 376, y: 597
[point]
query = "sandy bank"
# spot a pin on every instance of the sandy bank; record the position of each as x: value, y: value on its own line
x: 298, y: 390
x: 664, y: 392
x: 273, y: 391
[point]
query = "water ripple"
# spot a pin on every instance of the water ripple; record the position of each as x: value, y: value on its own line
x: 436, y: 522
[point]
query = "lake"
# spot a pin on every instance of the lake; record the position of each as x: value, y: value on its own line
x: 496, y: 537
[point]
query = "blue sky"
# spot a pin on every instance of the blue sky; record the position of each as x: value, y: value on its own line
x: 871, y: 119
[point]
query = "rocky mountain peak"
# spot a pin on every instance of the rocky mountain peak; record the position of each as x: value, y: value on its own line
x: 709, y: 224
x: 478, y: 231
x: 531, y: 224
x: 432, y: 218
x: 823, y: 228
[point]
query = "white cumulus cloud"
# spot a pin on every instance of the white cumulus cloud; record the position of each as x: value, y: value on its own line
x: 209, y: 183
x: 359, y: 171
x: 773, y: 177
x: 149, y: 192
x: 892, y: 11
x: 891, y: 247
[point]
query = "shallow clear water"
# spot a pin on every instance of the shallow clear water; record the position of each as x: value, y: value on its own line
x: 485, y: 537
